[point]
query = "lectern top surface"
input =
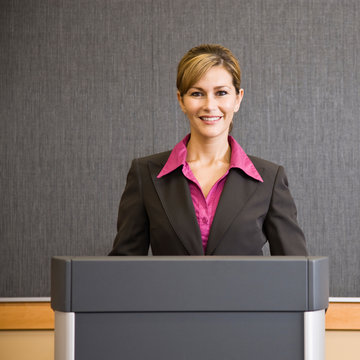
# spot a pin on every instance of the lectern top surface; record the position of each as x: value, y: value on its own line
x: 223, y: 283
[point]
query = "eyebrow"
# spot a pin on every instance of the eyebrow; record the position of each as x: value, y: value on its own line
x: 216, y: 87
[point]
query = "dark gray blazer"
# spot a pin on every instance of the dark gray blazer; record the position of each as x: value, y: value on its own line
x: 160, y: 213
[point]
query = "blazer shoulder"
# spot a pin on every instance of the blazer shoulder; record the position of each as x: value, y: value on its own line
x: 158, y: 159
x: 151, y: 164
x: 259, y: 162
x: 267, y: 169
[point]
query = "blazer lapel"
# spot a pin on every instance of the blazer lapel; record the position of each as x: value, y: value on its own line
x: 175, y: 197
x: 237, y: 191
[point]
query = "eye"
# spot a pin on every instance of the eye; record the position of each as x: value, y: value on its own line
x: 221, y: 93
x: 196, y: 94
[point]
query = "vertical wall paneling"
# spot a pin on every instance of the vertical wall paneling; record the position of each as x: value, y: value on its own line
x: 86, y: 86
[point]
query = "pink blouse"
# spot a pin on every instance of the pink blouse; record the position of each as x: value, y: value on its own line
x: 205, y: 208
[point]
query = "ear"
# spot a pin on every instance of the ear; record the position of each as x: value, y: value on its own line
x: 239, y: 98
x: 181, y: 101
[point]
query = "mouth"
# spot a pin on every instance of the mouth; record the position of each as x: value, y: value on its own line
x: 210, y: 118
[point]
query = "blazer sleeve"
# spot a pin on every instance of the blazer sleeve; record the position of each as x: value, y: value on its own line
x: 280, y: 225
x: 132, y: 226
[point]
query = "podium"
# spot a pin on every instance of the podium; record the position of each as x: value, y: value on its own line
x: 189, y: 308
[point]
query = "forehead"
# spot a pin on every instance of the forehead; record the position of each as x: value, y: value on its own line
x: 216, y: 76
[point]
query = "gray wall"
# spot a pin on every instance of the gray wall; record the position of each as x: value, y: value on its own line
x: 85, y: 86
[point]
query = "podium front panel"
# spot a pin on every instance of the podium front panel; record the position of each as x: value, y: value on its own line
x: 185, y: 308
x: 193, y: 336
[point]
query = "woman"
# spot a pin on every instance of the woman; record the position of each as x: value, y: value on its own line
x: 206, y: 196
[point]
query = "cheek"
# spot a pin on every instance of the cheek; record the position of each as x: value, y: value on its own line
x: 190, y: 108
x: 229, y: 106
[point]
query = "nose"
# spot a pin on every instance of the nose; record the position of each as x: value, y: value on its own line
x: 210, y: 103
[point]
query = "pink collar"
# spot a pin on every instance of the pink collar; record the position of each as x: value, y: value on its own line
x: 239, y: 159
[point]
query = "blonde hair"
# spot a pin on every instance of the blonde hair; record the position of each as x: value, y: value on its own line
x: 198, y: 60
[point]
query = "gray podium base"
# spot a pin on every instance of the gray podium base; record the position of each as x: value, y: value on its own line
x: 190, y: 335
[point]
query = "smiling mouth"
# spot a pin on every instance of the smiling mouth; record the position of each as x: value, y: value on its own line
x: 210, y: 118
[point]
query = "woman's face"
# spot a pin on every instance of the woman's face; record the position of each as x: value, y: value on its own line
x: 210, y: 103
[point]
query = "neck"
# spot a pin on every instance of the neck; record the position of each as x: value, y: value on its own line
x: 209, y: 150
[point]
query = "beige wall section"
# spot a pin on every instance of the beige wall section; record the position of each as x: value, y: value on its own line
x: 342, y: 345
x: 27, y: 345
x: 39, y: 345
